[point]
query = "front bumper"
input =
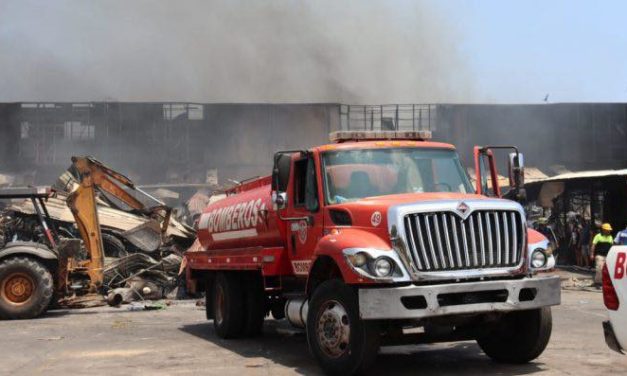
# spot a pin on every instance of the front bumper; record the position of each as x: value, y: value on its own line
x: 415, y: 302
x: 610, y: 337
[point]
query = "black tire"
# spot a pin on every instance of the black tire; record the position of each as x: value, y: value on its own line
x: 362, y: 346
x: 26, y: 288
x: 209, y: 292
x: 255, y: 305
x: 228, y: 306
x: 518, y: 337
x: 113, y: 247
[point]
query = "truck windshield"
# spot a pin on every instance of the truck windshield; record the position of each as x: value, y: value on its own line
x: 353, y: 174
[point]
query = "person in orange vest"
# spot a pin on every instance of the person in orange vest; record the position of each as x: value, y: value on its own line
x: 601, y: 245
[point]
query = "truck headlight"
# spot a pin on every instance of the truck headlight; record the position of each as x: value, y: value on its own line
x: 538, y: 258
x: 358, y: 259
x: 383, y: 267
x: 375, y: 264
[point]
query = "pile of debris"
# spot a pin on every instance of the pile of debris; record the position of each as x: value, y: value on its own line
x: 141, y: 277
x: 142, y: 257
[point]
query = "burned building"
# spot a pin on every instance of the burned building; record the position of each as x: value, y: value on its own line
x: 196, y: 142
x: 156, y: 142
x: 556, y: 138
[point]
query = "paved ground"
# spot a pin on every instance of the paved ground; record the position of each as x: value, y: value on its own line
x: 178, y: 340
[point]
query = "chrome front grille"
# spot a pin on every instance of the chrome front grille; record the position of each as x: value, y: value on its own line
x: 442, y: 241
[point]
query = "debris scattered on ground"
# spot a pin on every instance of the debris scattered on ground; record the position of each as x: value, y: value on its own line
x: 575, y: 282
x: 146, y: 306
x: 576, y: 278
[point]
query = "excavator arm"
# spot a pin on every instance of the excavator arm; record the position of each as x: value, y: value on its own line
x: 94, y: 176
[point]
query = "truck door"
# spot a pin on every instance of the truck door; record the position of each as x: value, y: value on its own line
x: 305, y: 225
x: 486, y: 174
x: 485, y: 168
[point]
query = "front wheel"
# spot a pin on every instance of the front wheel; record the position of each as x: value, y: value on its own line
x: 26, y: 288
x: 342, y: 343
x: 518, y: 337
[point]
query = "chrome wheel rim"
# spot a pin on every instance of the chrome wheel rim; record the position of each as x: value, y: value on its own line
x: 333, y: 329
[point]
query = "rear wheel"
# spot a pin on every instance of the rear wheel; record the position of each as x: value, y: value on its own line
x: 342, y: 343
x: 26, y: 288
x: 255, y: 305
x: 518, y: 337
x: 228, y: 306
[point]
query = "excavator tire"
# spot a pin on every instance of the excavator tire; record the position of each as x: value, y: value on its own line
x: 26, y: 288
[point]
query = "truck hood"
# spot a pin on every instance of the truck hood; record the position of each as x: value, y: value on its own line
x: 371, y: 212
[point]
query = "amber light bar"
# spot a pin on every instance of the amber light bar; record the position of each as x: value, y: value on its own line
x: 344, y: 136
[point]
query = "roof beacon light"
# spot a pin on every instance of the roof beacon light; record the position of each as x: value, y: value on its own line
x: 345, y: 136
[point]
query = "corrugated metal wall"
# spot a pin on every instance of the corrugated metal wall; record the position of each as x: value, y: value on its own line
x: 585, y: 136
x: 159, y: 142
x: 179, y: 142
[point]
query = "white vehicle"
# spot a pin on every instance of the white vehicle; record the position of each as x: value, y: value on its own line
x: 615, y: 298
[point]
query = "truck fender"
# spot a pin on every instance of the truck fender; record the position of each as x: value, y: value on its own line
x: 323, y: 268
x: 536, y: 240
x: 329, y: 259
x: 28, y: 248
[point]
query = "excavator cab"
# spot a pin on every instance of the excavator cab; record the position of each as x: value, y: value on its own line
x: 32, y: 272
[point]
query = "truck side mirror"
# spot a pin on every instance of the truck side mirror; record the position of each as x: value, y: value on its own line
x: 281, y: 171
x: 279, y: 200
x: 516, y: 170
x: 280, y: 179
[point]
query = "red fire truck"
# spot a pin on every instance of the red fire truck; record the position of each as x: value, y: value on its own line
x: 378, y: 238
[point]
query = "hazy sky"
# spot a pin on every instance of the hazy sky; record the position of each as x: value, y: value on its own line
x: 318, y: 51
x: 520, y: 50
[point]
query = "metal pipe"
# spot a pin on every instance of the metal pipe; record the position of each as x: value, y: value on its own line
x: 118, y: 296
x: 40, y: 216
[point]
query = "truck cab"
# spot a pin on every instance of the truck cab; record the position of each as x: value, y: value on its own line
x: 376, y: 233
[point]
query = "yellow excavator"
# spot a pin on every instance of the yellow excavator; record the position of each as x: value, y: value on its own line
x: 57, y: 270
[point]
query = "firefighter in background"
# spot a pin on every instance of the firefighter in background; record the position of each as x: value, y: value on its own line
x: 584, y: 242
x: 574, y: 236
x: 601, y: 245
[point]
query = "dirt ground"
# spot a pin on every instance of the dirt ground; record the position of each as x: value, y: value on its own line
x: 179, y: 340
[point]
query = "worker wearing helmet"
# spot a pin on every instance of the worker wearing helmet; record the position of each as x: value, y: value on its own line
x: 601, y: 245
